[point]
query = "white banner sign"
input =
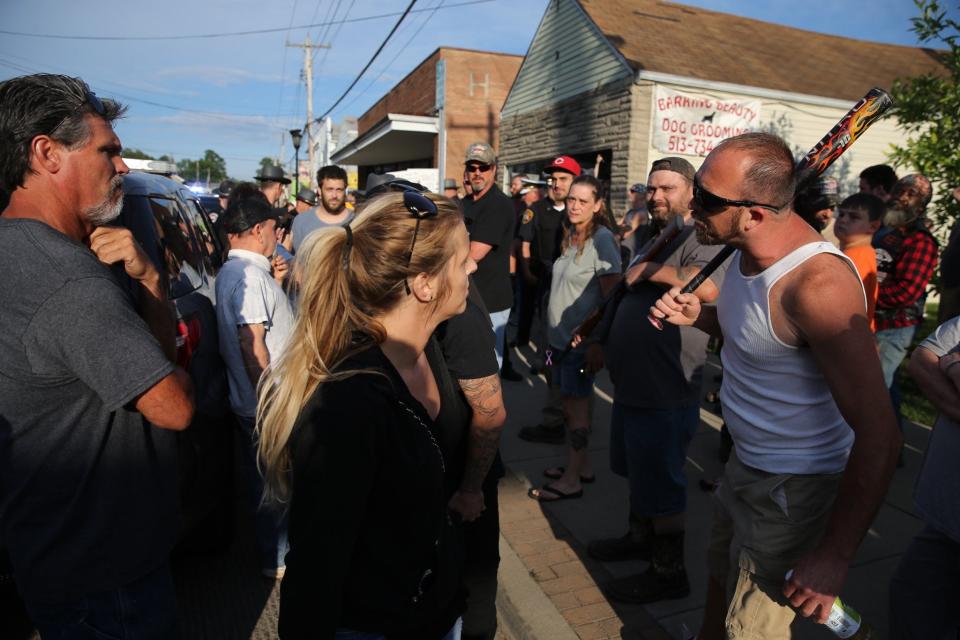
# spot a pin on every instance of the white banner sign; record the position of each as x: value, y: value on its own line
x: 692, y: 125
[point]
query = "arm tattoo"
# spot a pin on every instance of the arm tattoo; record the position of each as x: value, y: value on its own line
x: 484, y: 397
x: 682, y: 273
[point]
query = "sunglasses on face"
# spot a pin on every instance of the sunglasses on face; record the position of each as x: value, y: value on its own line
x: 420, y: 208
x: 712, y: 203
x: 90, y: 98
x: 478, y: 168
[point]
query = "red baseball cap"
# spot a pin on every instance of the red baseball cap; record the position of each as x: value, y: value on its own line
x: 563, y: 163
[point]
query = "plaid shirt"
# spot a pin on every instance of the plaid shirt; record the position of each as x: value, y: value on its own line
x: 903, y: 286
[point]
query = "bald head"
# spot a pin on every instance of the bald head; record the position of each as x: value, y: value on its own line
x: 769, y: 173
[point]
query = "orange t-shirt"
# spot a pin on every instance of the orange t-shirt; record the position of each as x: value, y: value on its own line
x: 865, y: 259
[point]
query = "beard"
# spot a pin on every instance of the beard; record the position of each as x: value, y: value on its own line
x: 332, y: 206
x: 109, y: 209
x: 899, y: 216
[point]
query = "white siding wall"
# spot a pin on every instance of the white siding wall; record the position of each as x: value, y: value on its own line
x: 802, y: 125
x: 568, y: 56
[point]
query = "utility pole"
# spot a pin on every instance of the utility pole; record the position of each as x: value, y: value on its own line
x: 308, y: 73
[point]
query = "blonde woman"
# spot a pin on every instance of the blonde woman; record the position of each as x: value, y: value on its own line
x: 347, y: 427
x: 585, y: 273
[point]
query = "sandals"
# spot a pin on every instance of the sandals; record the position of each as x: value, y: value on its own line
x: 555, y: 473
x: 547, y: 493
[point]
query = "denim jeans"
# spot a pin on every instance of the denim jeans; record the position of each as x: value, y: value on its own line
x: 349, y: 634
x: 270, y: 524
x: 499, y: 321
x: 925, y: 590
x: 893, y: 344
x: 145, y: 609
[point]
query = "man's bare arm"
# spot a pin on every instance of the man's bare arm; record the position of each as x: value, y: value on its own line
x: 485, y: 397
x: 169, y: 403
x: 253, y: 349
x: 826, y: 308
x: 479, y: 250
x: 669, y: 277
x: 926, y: 369
x: 684, y: 309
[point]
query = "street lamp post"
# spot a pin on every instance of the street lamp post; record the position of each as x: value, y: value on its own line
x: 296, y: 135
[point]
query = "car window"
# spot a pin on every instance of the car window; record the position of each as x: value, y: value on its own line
x: 210, y: 246
x: 181, y: 257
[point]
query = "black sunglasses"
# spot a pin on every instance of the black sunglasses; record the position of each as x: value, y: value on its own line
x: 712, y: 203
x: 89, y: 98
x: 473, y: 168
x: 421, y: 208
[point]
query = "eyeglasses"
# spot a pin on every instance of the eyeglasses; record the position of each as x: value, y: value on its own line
x: 90, y: 98
x: 478, y: 168
x: 421, y: 208
x: 712, y: 203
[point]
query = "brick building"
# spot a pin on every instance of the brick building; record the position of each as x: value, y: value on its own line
x: 424, y: 124
x: 635, y: 80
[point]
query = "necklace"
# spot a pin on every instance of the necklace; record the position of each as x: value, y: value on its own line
x: 433, y: 439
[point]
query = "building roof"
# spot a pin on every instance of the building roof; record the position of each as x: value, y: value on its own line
x: 676, y: 39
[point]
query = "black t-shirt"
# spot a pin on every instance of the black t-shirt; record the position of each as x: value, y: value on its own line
x: 491, y: 220
x: 542, y: 226
x: 467, y: 343
x: 89, y: 488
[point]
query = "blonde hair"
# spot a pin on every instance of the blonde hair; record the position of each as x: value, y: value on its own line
x: 342, y: 292
x: 600, y: 219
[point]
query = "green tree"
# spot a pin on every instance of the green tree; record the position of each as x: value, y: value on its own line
x: 210, y: 168
x: 928, y: 108
x: 137, y: 154
x: 264, y: 163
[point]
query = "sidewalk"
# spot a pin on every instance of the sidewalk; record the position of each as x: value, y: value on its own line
x: 560, y: 594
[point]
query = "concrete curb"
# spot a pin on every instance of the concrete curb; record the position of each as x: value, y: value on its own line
x: 525, y: 611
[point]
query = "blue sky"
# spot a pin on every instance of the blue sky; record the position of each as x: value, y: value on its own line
x: 237, y: 94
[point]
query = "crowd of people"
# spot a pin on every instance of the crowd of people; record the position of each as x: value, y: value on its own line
x: 365, y: 348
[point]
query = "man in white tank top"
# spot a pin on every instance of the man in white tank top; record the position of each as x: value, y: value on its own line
x: 803, y: 395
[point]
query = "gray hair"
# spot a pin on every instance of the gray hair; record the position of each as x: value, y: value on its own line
x: 43, y: 104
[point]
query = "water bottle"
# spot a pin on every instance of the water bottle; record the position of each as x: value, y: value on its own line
x: 845, y: 622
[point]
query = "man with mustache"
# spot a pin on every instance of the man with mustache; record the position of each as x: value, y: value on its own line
x: 906, y: 259
x: 89, y: 394
x: 332, y: 210
x: 657, y: 378
x: 802, y: 395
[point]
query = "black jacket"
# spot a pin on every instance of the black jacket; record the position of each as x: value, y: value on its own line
x: 372, y: 547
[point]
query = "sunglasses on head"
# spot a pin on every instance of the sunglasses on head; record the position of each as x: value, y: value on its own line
x: 89, y: 98
x: 474, y: 168
x: 712, y: 203
x: 420, y: 208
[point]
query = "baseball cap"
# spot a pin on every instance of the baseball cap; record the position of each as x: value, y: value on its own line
x: 675, y: 164
x: 638, y: 187
x: 563, y: 163
x: 480, y: 152
x: 245, y: 214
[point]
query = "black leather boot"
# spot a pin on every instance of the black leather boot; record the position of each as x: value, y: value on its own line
x: 664, y: 579
x: 634, y: 544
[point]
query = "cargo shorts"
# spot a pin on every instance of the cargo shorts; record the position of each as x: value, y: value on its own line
x: 763, y: 524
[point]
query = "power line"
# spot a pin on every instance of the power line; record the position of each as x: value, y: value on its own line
x: 369, y: 62
x: 60, y: 36
x: 394, y: 59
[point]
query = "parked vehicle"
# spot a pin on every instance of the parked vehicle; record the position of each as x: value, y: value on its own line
x: 175, y: 231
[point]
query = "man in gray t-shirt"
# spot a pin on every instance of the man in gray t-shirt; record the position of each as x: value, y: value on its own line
x: 656, y: 376
x: 926, y: 587
x: 89, y: 394
x: 331, y: 212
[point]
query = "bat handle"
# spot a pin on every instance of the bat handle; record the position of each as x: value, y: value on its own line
x: 698, y: 279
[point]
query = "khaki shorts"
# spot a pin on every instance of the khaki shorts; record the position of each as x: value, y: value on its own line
x: 763, y: 523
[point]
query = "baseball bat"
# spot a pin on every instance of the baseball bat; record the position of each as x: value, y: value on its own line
x: 851, y: 126
x: 648, y: 252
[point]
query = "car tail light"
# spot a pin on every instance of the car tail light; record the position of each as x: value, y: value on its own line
x: 188, y: 339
